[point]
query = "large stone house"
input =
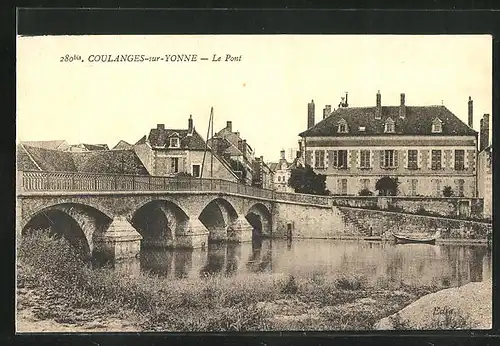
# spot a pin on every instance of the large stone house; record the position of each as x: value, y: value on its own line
x: 484, y: 167
x: 174, y: 152
x: 235, y: 151
x: 425, y: 147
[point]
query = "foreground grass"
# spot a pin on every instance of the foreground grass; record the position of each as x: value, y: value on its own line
x: 215, y: 303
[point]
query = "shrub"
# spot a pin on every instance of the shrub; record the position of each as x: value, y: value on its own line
x: 290, y: 286
x: 365, y: 192
x: 447, y: 191
x: 351, y: 283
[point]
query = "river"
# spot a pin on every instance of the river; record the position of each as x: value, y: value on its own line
x: 413, y: 264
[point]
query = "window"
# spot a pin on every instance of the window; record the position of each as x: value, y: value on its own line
x: 342, y: 186
x: 364, y: 158
x: 175, y: 165
x: 365, y: 183
x: 460, y: 187
x: 436, y: 184
x: 412, y: 191
x: 196, y: 171
x: 279, y: 178
x: 340, y: 159
x: 319, y: 159
x: 389, y: 158
x: 342, y: 126
x: 436, y: 159
x: 459, y: 160
x: 174, y: 142
x: 389, y: 126
x: 437, y: 126
x: 412, y: 159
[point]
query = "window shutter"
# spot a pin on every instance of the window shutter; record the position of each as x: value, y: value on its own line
x: 308, y: 157
x: 381, y: 158
x: 326, y: 158
x: 419, y: 158
x: 452, y: 159
x: 330, y: 157
x: 405, y: 158
x: 466, y: 159
x: 371, y: 158
x: 335, y: 158
x: 358, y: 159
x: 429, y: 159
x: 441, y: 159
x: 349, y: 158
x: 396, y: 158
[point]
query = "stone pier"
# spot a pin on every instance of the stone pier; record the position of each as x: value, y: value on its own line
x: 119, y: 241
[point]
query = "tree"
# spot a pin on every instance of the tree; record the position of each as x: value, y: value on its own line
x: 387, y: 186
x: 447, y: 191
x: 365, y: 192
x: 305, y: 180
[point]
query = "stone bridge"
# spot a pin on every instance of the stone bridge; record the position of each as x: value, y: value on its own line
x: 112, y: 215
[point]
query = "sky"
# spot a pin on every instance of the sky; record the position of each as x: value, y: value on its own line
x: 265, y: 95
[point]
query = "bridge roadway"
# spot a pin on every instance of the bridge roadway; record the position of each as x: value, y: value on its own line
x: 110, y: 215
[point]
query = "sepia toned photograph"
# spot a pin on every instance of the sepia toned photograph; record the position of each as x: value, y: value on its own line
x: 235, y: 183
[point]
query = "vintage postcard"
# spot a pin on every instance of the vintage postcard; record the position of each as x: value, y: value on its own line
x: 213, y: 183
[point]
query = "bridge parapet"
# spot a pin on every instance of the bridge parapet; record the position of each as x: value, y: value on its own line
x: 37, y: 181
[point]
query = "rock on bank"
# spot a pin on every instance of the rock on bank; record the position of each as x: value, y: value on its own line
x: 465, y: 307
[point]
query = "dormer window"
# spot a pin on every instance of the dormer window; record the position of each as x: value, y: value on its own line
x: 342, y: 127
x: 437, y: 126
x: 174, y: 142
x: 389, y: 126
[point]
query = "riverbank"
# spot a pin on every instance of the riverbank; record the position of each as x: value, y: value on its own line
x: 60, y: 293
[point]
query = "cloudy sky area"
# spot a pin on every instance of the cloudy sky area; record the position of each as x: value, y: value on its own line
x: 265, y: 95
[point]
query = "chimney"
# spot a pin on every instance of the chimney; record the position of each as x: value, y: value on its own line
x: 484, y: 139
x: 282, y: 154
x: 190, y: 124
x: 378, y: 110
x: 229, y: 126
x: 310, y: 114
x: 471, y: 119
x: 160, y: 126
x: 326, y: 111
x: 402, y: 107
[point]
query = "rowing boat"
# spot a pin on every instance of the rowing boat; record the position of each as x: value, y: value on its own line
x: 405, y: 239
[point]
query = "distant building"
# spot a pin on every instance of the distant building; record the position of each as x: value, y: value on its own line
x: 425, y: 147
x: 122, y: 145
x: 87, y: 147
x: 263, y: 176
x: 61, y: 145
x: 173, y: 152
x: 235, y: 151
x: 282, y: 171
x: 485, y: 180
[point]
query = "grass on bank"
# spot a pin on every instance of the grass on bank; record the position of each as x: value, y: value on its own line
x: 214, y: 303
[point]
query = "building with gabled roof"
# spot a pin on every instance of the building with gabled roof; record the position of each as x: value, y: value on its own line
x: 425, y: 147
x: 172, y: 152
x: 122, y: 145
x: 100, y: 161
x: 235, y: 151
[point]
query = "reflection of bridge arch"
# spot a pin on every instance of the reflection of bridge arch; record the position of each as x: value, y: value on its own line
x: 77, y: 223
x: 217, y: 216
x: 158, y: 222
x: 259, y: 217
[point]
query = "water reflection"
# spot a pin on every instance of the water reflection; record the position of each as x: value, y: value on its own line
x: 449, y: 265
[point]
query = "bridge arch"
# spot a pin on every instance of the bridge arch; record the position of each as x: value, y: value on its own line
x: 259, y: 216
x: 77, y: 223
x: 217, y: 216
x: 159, y: 221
